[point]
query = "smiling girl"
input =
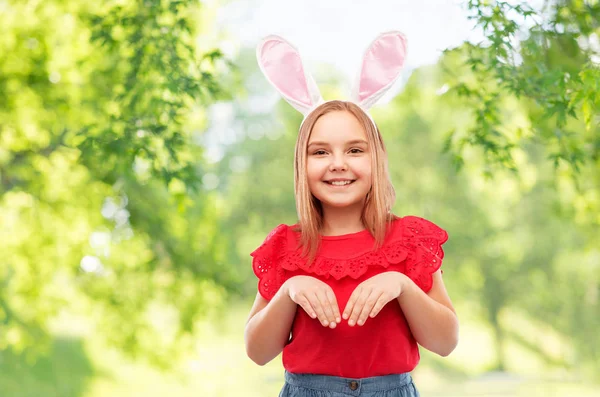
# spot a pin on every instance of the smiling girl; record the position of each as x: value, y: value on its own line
x: 350, y: 291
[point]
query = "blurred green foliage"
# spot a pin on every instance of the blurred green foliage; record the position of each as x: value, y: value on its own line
x: 103, y: 209
x: 139, y: 167
x: 547, y: 58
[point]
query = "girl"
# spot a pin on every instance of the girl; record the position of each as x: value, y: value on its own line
x: 357, y: 286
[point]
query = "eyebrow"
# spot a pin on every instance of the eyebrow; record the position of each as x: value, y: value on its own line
x: 354, y: 142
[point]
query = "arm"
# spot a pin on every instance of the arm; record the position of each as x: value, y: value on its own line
x: 431, y: 317
x: 268, y: 326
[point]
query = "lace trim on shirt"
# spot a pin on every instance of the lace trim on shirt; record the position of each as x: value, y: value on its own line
x: 420, y: 246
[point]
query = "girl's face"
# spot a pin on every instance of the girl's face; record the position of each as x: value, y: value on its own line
x: 338, y: 162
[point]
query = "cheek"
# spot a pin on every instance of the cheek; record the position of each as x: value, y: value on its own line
x: 362, y: 168
x: 313, y: 171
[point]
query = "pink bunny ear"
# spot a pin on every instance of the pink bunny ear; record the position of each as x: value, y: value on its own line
x: 381, y: 67
x: 282, y: 65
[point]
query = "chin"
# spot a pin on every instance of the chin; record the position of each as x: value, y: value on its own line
x: 339, y: 203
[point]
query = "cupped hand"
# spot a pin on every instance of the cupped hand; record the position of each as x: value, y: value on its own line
x: 315, y: 297
x: 372, y: 295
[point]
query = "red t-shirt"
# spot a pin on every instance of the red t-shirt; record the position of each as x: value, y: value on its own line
x: 383, y: 345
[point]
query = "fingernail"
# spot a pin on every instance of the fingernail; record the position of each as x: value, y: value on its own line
x: 337, y: 319
x: 345, y: 316
x: 351, y: 322
x: 332, y: 325
x: 360, y: 322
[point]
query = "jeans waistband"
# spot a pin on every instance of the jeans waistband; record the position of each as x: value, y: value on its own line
x: 348, y: 385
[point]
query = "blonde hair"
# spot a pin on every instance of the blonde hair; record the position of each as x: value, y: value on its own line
x: 376, y: 214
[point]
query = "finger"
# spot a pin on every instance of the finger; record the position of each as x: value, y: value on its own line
x: 351, y: 303
x: 381, y: 302
x: 308, y: 308
x: 334, y: 305
x: 358, y: 306
x: 316, y: 302
x: 327, y: 309
x: 368, y: 307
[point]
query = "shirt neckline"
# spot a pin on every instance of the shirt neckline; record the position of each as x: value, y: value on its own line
x: 345, y: 236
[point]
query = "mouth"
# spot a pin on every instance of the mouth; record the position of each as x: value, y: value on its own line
x: 340, y: 182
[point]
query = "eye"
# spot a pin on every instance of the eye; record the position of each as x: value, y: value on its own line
x: 320, y: 152
x: 355, y: 151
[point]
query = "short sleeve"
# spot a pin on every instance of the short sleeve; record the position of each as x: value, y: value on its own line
x: 424, y: 240
x: 266, y: 262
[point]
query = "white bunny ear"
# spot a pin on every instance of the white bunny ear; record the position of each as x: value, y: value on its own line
x: 282, y: 65
x: 381, y: 66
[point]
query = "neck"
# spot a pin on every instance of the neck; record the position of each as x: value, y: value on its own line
x: 342, y: 220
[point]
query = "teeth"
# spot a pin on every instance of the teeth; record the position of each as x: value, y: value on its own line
x: 340, y: 183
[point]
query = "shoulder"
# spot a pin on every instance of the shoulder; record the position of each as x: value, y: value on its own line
x: 415, y: 226
x: 277, y: 239
x: 411, y: 226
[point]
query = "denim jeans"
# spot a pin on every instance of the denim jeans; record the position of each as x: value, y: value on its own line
x: 309, y: 385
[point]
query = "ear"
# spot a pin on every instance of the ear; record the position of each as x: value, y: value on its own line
x: 381, y: 66
x: 282, y: 65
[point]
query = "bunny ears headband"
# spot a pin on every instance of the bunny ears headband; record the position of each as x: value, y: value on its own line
x: 282, y: 65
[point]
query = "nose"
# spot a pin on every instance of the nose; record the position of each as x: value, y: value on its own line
x: 338, y: 163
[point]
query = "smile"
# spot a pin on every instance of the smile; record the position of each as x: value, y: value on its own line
x: 340, y: 183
